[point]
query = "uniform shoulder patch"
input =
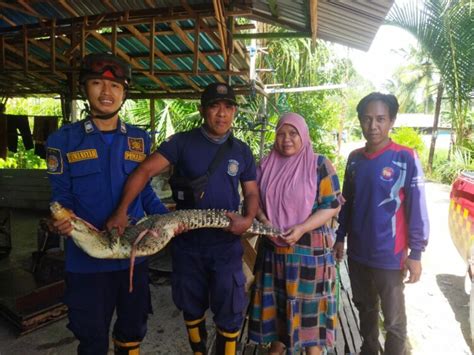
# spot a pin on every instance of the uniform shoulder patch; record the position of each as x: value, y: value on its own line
x: 54, y: 161
x: 136, y: 144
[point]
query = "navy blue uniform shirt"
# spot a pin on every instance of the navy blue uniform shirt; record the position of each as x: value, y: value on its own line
x: 87, y: 175
x: 192, y: 153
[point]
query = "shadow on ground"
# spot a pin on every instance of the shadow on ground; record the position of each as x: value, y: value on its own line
x: 452, y: 287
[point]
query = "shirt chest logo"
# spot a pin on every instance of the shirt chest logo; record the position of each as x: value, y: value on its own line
x: 136, y: 144
x: 387, y: 174
x: 233, y: 167
x: 80, y: 155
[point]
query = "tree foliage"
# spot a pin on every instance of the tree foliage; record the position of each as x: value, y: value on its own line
x: 415, y: 82
x: 444, y: 30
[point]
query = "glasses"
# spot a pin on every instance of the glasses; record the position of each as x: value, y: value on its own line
x: 102, y: 66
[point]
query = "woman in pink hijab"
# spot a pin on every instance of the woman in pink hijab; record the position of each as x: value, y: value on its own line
x: 293, y: 303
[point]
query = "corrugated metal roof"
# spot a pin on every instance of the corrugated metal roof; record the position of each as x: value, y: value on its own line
x: 351, y: 23
x: 28, y: 66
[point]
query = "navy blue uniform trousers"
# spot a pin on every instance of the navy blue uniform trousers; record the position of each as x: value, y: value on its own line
x: 92, y: 304
x: 210, y: 276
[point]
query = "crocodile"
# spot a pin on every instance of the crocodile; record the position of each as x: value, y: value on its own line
x: 150, y: 235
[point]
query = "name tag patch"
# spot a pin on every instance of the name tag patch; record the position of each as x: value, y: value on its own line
x: 134, y: 156
x: 80, y: 155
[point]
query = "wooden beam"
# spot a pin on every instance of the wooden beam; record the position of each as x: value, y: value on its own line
x: 272, y: 35
x: 313, y: 15
x: 197, y: 35
x: 161, y: 55
x: 152, y: 46
x: 221, y: 27
x: 39, y: 62
x: 47, y: 48
x: 109, y: 5
x: 152, y: 123
x: 179, y: 94
x: 42, y: 78
x: 2, y: 53
x: 24, y: 10
x: 29, y: 9
x: 202, y: 24
x: 82, y: 39
x: 161, y: 72
x: 162, y: 15
x: 186, y: 54
x: 205, y: 28
x: 25, y: 49
x: 53, y: 46
x: 7, y: 20
x: 133, y: 62
x: 190, y: 45
x: 68, y: 8
x: 114, y: 39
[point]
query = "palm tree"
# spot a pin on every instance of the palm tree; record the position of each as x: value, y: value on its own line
x: 444, y: 30
x: 418, y: 76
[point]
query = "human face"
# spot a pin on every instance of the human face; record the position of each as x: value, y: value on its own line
x: 104, y: 96
x: 288, y: 141
x: 218, y: 117
x: 376, y: 124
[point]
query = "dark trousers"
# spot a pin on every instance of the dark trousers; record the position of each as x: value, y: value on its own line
x: 372, y: 288
x: 92, y: 299
x: 210, y: 276
x: 3, y: 136
x: 17, y: 123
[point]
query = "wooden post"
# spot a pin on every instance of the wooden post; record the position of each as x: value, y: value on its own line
x: 53, y: 45
x: 152, y: 123
x: 114, y: 39
x: 25, y: 49
x: 152, y: 46
x: 83, y: 38
x: 197, y: 34
x: 2, y: 53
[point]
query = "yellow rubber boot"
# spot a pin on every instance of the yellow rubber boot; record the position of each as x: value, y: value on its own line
x: 226, y: 342
x: 130, y: 348
x: 197, y: 335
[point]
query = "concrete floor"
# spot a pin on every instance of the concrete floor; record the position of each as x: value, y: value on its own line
x: 166, y: 331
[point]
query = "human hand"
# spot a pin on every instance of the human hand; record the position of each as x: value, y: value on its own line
x: 413, y: 269
x: 238, y: 223
x: 338, y: 250
x: 293, y: 234
x: 118, y: 220
x: 181, y: 228
x: 62, y: 226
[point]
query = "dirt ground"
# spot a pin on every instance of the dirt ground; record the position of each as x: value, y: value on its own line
x: 437, y: 306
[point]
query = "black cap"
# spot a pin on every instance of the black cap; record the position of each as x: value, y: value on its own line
x: 216, y: 92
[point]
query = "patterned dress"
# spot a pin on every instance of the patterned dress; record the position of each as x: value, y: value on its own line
x: 293, y: 299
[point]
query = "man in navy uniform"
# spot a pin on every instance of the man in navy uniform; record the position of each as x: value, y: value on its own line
x: 88, y: 164
x: 207, y: 263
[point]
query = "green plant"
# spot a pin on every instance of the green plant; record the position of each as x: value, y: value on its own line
x: 409, y: 137
x: 446, y: 171
x: 22, y: 159
x: 444, y: 30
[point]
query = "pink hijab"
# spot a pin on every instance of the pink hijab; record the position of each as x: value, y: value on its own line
x: 288, y: 184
